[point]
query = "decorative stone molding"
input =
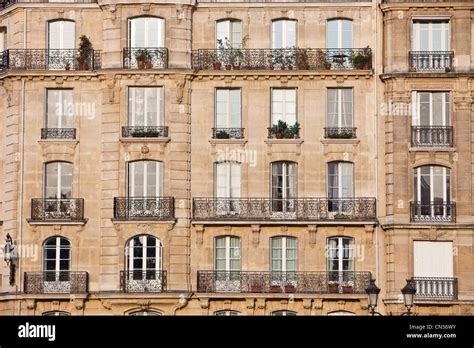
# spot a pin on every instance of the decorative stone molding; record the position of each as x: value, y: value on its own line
x: 312, y: 231
x: 255, y: 235
x: 79, y: 303
x: 179, y: 84
x: 261, y: 304
x: 307, y: 303
x: 144, y: 304
x: 250, y: 303
x: 318, y: 303
x: 364, y: 304
x: 31, y: 304
x: 199, y: 233
x: 54, y: 150
x: 107, y: 304
x: 369, y: 234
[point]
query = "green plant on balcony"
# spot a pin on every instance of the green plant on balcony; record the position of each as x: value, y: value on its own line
x: 142, y: 133
x: 302, y: 60
x: 362, y: 59
x: 229, y: 55
x: 143, y: 59
x: 85, y: 53
x: 222, y: 134
x: 321, y: 60
x: 289, y: 57
x: 342, y: 133
x: 282, y: 130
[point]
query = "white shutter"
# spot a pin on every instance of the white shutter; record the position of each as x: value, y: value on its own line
x: 433, y: 259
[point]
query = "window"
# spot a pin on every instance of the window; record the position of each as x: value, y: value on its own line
x: 143, y: 262
x: 340, y: 186
x: 431, y: 109
x: 284, y: 105
x: 146, y: 32
x: 339, y: 33
x: 228, y: 108
x: 340, y: 261
x: 283, y: 33
x: 61, y: 35
x: 284, y: 255
x: 226, y: 313
x: 284, y: 186
x: 145, y: 179
x: 144, y: 313
x: 59, y: 106
x: 231, y: 30
x: 145, y: 106
x: 432, y: 191
x: 339, y: 104
x: 3, y: 39
x: 227, y: 263
x: 56, y: 259
x: 430, y: 35
x: 283, y: 313
x: 56, y: 314
x: 227, y: 179
x: 58, y: 181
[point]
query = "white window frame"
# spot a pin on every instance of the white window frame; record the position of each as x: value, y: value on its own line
x: 63, y: 114
x: 416, y: 108
x: 339, y: 106
x: 233, y: 27
x: 284, y: 254
x: 228, y: 257
x: 340, y: 31
x: 340, y: 256
x: 446, y: 173
x: 130, y: 254
x: 226, y: 313
x: 147, y: 23
x: 283, y: 313
x: 61, y: 30
x: 284, y: 32
x: 233, y: 171
x: 58, y: 184
x: 58, y: 247
x: 226, y: 94
x: 416, y: 29
x: 286, y: 117
x: 133, y: 105
x: 131, y: 166
x: 340, y: 187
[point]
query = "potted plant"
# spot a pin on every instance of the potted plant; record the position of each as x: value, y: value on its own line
x: 362, y: 59
x: 85, y: 53
x: 302, y: 61
x: 333, y: 287
x: 282, y: 130
x: 141, y: 56
x: 222, y: 134
x: 347, y: 289
x: 256, y: 286
x: 277, y: 59
x: 321, y: 59
x: 275, y: 288
x: 289, y: 58
x: 67, y: 65
x: 289, y: 288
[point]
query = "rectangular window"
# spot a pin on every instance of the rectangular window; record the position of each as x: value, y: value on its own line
x: 433, y: 259
x: 339, y: 107
x: 431, y: 109
x: 228, y: 108
x: 146, y: 32
x: 339, y: 33
x: 145, y: 179
x: 284, y: 105
x: 430, y: 35
x: 61, y: 35
x: 283, y: 33
x: 230, y: 30
x: 227, y: 180
x: 145, y: 106
x: 59, y: 108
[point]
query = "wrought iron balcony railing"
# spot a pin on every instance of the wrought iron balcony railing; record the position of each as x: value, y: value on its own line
x: 52, y: 282
x: 340, y: 132
x: 6, y: 3
x: 433, y: 212
x: 436, y: 288
x: 145, y: 58
x: 144, y: 208
x: 348, y: 282
x: 431, y: 61
x: 57, y: 209
x: 432, y: 136
x: 58, y: 133
x: 141, y: 280
x: 46, y: 59
x: 145, y: 132
x: 289, y: 132
x: 283, y: 59
x: 297, y: 209
x: 227, y: 133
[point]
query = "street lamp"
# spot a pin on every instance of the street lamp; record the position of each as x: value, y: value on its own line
x: 408, y: 292
x: 373, y: 292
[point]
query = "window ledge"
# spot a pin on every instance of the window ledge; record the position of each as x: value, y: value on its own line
x: 284, y: 141
x: 145, y: 140
x: 432, y: 149
x: 329, y: 141
x: 57, y: 222
x: 59, y: 141
x: 144, y: 220
x: 228, y: 141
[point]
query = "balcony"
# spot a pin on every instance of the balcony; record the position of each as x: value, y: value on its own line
x: 340, y: 132
x: 57, y: 209
x: 52, y: 282
x: 45, y: 59
x: 6, y: 3
x: 143, y: 208
x: 432, y: 136
x: 145, y: 132
x: 140, y: 280
x: 58, y: 133
x: 436, y: 288
x: 433, y: 212
x: 227, y: 133
x: 283, y: 59
x: 431, y: 61
x: 346, y: 282
x: 145, y: 58
x: 297, y: 209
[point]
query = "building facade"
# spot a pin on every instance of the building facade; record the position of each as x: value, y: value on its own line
x: 247, y: 158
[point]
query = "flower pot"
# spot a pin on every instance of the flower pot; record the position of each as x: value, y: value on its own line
x: 347, y: 289
x: 282, y: 67
x: 290, y: 67
x: 275, y: 288
x: 228, y: 67
x: 148, y: 64
x: 217, y: 65
x: 236, y: 67
x: 141, y: 64
x: 333, y: 287
x: 83, y: 66
x: 255, y: 288
x: 289, y: 288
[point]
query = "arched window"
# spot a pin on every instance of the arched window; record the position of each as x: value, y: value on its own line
x: 61, y: 35
x: 432, y: 193
x: 143, y: 264
x: 340, y: 263
x: 283, y: 33
x: 341, y: 313
x: 146, y: 32
x: 229, y: 32
x: 58, y: 180
x: 56, y: 314
x: 227, y: 263
x: 145, y: 313
x: 283, y: 313
x: 339, y: 33
x: 226, y: 313
x: 145, y: 179
x: 56, y: 261
x: 284, y: 186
